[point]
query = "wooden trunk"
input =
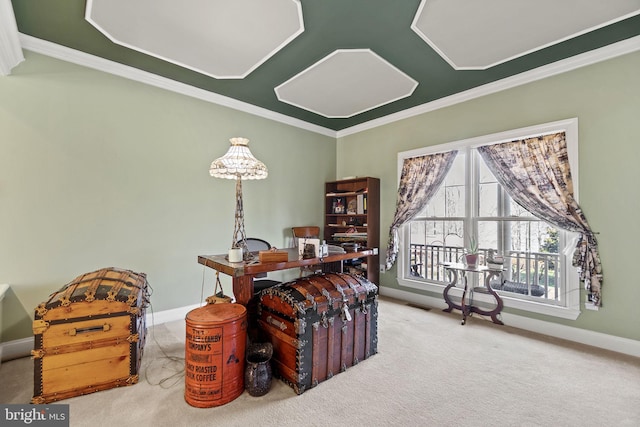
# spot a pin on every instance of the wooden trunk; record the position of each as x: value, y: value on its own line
x: 89, y: 335
x: 319, y: 326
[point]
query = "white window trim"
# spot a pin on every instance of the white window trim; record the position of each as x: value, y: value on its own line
x: 571, y: 310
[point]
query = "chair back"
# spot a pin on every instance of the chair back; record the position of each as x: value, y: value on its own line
x: 255, y: 245
x: 310, y: 232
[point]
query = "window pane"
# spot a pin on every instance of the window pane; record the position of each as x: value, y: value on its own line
x: 447, y: 233
x: 525, y: 236
x: 532, y: 262
x: 488, y: 236
x: 431, y: 243
x: 493, y: 200
x: 449, y: 201
x: 489, y: 199
x: 490, y: 191
x: 514, y: 209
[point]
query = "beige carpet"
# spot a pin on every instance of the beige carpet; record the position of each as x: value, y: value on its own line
x: 430, y: 371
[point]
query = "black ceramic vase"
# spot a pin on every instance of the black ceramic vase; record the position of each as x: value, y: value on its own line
x: 257, y: 371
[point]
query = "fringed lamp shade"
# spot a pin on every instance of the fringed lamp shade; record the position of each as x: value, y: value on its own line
x: 239, y: 164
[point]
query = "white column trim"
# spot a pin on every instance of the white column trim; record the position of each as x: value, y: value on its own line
x: 10, y: 49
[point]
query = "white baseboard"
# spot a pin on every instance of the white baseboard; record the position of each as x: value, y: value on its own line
x: 16, y: 348
x: 22, y: 347
x: 168, y: 315
x: 583, y: 336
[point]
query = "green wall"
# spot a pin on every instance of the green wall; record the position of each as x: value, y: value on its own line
x: 99, y: 171
x: 605, y: 98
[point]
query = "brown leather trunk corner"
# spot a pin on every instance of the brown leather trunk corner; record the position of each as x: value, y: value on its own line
x: 319, y: 326
x: 89, y: 335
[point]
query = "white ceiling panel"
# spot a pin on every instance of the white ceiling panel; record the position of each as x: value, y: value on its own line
x: 345, y: 83
x: 223, y: 39
x: 482, y: 34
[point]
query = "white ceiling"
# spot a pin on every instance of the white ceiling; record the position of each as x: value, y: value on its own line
x: 229, y: 40
x: 218, y: 38
x: 482, y: 34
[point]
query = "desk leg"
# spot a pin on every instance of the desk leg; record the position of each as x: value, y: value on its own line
x: 243, y: 289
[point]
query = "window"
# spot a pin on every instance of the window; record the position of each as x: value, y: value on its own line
x: 538, y: 277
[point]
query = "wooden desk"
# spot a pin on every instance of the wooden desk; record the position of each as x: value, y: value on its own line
x: 458, y: 271
x: 243, y: 272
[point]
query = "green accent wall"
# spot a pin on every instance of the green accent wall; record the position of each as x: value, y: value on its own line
x: 97, y: 170
x: 605, y: 97
x: 101, y: 171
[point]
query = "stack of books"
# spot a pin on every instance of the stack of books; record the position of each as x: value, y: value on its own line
x: 350, y: 237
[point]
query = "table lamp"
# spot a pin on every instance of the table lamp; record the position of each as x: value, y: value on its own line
x: 239, y: 164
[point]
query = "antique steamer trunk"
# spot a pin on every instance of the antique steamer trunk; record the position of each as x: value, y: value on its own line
x: 319, y: 326
x: 89, y: 335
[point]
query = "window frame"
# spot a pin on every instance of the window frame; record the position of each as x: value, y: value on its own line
x: 570, y: 309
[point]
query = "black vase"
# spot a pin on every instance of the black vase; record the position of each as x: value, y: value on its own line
x: 257, y: 370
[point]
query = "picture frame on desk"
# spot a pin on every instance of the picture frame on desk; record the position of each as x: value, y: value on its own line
x: 308, y: 248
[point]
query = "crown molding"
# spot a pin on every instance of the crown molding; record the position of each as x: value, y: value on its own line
x: 71, y: 55
x: 588, y: 58
x: 91, y: 61
x: 10, y: 50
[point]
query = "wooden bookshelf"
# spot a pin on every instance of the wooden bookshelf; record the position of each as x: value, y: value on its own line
x: 352, y: 215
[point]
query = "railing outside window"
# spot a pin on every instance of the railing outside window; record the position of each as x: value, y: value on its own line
x: 534, y: 274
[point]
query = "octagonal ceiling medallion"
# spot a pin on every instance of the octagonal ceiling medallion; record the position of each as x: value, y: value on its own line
x: 482, y: 34
x: 222, y: 39
x: 346, y: 83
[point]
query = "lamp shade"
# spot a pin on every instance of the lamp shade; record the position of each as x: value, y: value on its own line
x: 238, y: 162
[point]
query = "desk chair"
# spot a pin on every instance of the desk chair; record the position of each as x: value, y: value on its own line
x: 308, y: 232
x: 311, y: 232
x: 260, y: 282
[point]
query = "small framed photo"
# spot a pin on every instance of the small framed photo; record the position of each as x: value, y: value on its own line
x: 308, y: 248
x: 338, y: 205
x: 352, y: 206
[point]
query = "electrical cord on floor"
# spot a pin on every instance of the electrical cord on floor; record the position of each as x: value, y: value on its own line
x: 172, y: 363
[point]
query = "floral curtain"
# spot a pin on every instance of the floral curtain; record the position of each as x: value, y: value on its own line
x: 535, y: 173
x: 419, y: 180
